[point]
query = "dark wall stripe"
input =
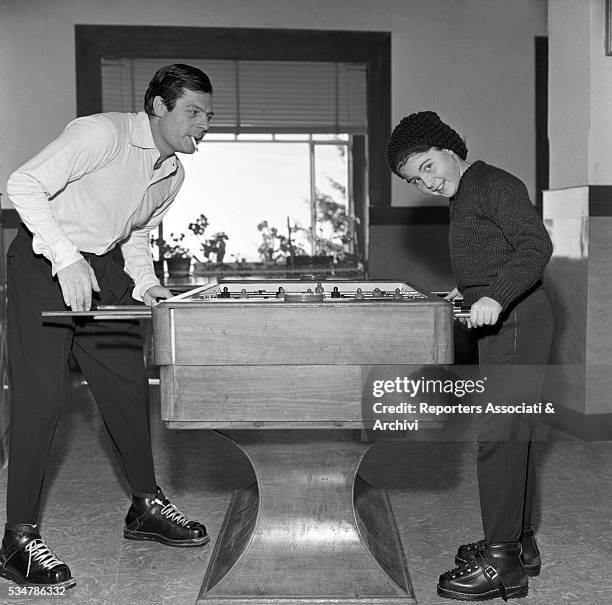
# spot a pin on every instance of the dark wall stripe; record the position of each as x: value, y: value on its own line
x: 10, y: 218
x: 600, y: 200
x: 406, y: 215
x: 600, y: 204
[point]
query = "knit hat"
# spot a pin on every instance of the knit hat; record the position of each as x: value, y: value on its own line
x: 423, y: 128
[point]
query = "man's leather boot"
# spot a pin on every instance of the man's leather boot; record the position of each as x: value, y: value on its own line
x: 159, y: 520
x: 530, y: 555
x: 26, y: 559
x: 495, y: 571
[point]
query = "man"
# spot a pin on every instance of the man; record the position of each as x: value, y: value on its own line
x: 88, y: 202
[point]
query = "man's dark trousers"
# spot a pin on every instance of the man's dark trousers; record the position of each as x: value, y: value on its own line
x: 109, y: 353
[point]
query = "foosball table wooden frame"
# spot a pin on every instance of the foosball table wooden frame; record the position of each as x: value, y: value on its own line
x: 280, y: 368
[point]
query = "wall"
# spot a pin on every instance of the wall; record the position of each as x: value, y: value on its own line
x: 470, y: 60
x: 580, y: 95
x: 569, y: 78
x: 578, y: 211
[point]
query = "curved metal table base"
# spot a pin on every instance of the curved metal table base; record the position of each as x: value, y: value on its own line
x: 310, y: 531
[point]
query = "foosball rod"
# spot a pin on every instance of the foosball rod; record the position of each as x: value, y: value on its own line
x: 129, y: 312
x: 105, y: 312
x: 458, y: 312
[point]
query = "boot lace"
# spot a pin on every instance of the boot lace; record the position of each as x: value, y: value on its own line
x: 480, y: 545
x: 40, y: 553
x: 463, y: 570
x: 170, y: 511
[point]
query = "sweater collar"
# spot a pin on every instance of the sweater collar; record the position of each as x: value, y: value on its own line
x: 465, y: 178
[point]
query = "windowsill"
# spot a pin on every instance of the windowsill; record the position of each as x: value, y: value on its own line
x: 203, y: 277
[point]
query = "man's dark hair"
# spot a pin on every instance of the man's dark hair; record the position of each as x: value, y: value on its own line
x: 170, y: 81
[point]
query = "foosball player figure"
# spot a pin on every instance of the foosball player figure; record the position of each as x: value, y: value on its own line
x: 499, y: 248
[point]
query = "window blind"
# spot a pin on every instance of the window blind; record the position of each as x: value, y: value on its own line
x: 256, y: 96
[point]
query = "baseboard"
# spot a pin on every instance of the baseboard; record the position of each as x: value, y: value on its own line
x: 586, y: 427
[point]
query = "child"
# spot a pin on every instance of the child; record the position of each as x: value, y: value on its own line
x: 499, y: 249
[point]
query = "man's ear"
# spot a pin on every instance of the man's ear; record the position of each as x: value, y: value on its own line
x: 159, y: 107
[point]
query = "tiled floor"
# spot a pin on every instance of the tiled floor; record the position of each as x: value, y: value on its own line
x: 432, y: 487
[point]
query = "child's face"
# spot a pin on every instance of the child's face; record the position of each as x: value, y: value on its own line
x: 435, y: 172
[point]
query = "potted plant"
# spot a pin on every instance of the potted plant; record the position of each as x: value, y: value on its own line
x: 214, y: 245
x: 336, y: 230
x: 276, y: 247
x: 176, y: 255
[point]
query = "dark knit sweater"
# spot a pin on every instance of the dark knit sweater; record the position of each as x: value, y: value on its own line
x: 498, y: 243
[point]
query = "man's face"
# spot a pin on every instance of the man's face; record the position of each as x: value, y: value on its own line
x: 180, y: 129
x: 435, y: 172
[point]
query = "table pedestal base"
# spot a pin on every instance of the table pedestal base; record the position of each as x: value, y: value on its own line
x: 309, y: 531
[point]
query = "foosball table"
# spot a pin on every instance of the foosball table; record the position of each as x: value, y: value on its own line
x: 280, y: 368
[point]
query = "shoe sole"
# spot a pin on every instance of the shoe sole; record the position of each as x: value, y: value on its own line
x: 13, y: 577
x: 143, y: 536
x: 516, y: 593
